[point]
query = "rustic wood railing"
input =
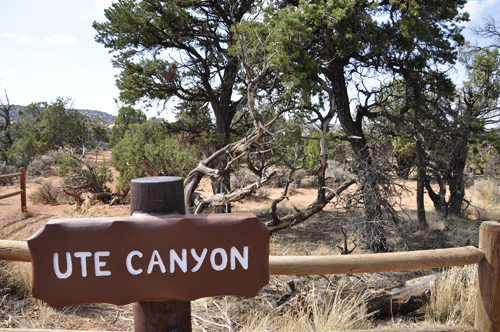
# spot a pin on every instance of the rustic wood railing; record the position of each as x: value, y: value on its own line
x: 487, y: 257
x: 22, y: 192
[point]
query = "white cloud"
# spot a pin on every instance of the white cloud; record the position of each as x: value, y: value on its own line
x: 20, y: 38
x: 490, y: 2
x: 42, y: 55
x: 61, y: 39
x: 25, y: 38
x: 477, y: 8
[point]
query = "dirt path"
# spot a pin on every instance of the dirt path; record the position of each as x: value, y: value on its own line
x: 14, y: 225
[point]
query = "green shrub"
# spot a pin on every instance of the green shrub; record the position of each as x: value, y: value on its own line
x: 153, y: 140
x: 65, y: 164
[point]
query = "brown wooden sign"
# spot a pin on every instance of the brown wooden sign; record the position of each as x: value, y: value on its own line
x: 149, y: 258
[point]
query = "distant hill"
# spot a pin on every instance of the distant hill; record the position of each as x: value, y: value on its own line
x: 92, y: 114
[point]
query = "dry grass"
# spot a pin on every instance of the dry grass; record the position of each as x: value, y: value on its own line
x: 486, y: 199
x: 88, y: 209
x: 37, y: 180
x: 278, y: 308
x: 339, y: 313
x: 434, y: 221
x: 46, y: 193
x: 286, y: 304
x: 453, y: 298
x: 18, y: 309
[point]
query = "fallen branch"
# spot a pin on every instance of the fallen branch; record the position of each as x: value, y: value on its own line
x: 278, y: 223
x: 407, y: 298
x: 236, y: 195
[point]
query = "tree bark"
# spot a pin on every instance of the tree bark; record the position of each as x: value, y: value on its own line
x: 421, y: 177
x: 456, y: 178
x: 373, y: 230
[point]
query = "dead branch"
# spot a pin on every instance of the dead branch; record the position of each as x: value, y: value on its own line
x: 278, y: 223
x: 236, y: 195
x: 84, y: 180
x: 150, y: 168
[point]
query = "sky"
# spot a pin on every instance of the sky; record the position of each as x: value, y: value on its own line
x: 47, y: 50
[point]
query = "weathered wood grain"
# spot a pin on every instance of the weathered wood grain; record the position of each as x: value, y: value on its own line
x: 11, y: 194
x: 365, y: 263
x: 14, y: 251
x: 159, y: 194
x: 488, y: 294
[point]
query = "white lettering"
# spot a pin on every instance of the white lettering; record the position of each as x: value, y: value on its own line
x: 181, y: 262
x: 98, y: 264
x: 130, y: 268
x: 223, y: 255
x: 199, y: 259
x: 83, y: 255
x: 235, y: 254
x: 69, y: 266
x: 156, y: 260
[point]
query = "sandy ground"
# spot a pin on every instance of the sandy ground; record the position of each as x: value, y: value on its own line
x: 15, y: 225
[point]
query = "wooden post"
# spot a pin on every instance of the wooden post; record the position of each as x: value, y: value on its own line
x: 22, y: 180
x: 159, y: 195
x: 488, y: 288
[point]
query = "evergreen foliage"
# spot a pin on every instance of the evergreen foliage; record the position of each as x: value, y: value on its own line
x: 127, y: 115
x: 163, y: 149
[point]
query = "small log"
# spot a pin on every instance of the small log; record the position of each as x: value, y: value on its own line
x: 100, y: 197
x: 400, y: 300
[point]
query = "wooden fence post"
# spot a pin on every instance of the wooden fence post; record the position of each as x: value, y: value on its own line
x: 22, y: 180
x: 488, y: 288
x: 159, y: 195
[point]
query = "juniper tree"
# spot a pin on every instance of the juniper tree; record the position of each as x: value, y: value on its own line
x: 177, y: 50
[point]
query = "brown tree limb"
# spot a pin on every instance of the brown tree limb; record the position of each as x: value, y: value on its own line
x: 278, y: 223
x: 236, y: 195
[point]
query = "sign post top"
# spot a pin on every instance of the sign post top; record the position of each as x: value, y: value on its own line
x: 157, y: 179
x: 156, y: 195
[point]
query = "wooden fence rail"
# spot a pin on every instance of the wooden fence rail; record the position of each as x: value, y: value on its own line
x: 22, y: 192
x: 487, y: 257
x: 331, y: 264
